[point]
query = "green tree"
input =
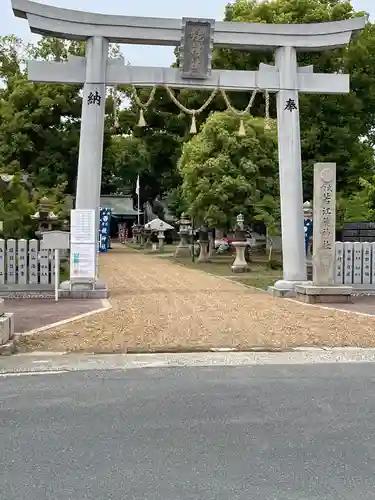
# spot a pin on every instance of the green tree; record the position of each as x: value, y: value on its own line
x: 223, y: 174
x: 358, y: 206
x: 19, y: 202
x: 39, y: 124
x: 16, y: 208
x: 124, y: 159
x: 333, y: 127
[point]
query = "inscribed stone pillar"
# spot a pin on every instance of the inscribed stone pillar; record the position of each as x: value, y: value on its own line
x: 203, y: 244
x: 290, y: 171
x: 324, y: 224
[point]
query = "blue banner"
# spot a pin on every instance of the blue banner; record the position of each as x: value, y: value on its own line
x: 308, y: 233
x: 104, y: 229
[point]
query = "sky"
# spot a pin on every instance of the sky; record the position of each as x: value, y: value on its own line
x: 137, y: 55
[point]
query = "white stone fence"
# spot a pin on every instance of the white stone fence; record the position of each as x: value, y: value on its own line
x: 23, y: 265
x: 355, y: 264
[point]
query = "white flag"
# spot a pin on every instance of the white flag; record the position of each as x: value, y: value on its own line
x: 137, y: 186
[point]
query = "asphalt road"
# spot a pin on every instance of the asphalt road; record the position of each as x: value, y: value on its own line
x: 199, y: 433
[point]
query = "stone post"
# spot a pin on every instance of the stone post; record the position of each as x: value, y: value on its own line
x: 203, y: 244
x: 290, y: 171
x: 325, y: 220
x: 161, y: 238
x: 134, y: 234
x: 137, y: 229
x: 148, y: 242
x: 323, y: 288
x: 142, y: 237
x: 183, y: 248
x: 240, y: 265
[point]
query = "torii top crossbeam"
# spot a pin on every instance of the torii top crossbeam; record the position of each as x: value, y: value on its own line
x: 78, y: 25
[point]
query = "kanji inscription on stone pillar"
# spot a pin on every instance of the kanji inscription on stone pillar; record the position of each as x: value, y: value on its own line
x: 324, y: 223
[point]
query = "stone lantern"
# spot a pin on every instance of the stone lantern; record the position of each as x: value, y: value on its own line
x: 137, y: 231
x: 203, y: 244
x: 240, y: 243
x: 45, y: 217
x: 183, y: 248
x: 142, y: 237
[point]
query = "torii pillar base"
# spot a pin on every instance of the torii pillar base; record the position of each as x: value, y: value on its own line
x: 89, y: 290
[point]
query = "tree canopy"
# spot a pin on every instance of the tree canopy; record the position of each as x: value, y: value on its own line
x: 334, y: 128
x: 223, y: 174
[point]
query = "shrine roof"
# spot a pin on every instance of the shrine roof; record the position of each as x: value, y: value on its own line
x: 120, y: 205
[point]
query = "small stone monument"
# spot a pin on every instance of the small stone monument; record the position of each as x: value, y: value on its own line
x: 323, y: 288
x: 142, y: 237
x: 203, y: 244
x: 183, y: 248
x: 161, y: 237
x: 154, y: 242
x: 148, y: 234
x: 6, y: 330
x: 136, y: 231
x: 240, y: 243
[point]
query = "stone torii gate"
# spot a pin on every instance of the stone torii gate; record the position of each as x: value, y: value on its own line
x: 196, y: 38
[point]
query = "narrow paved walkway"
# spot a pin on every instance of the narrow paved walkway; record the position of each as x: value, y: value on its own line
x: 158, y: 305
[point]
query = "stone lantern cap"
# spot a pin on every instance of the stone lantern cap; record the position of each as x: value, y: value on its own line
x: 240, y: 233
x: 184, y: 220
x: 307, y: 209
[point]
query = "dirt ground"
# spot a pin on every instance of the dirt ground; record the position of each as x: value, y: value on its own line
x: 161, y: 306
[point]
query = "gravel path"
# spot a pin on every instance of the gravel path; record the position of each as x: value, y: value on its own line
x: 161, y: 306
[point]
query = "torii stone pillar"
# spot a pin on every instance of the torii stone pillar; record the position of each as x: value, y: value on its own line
x: 286, y: 79
x: 290, y: 170
x: 92, y: 126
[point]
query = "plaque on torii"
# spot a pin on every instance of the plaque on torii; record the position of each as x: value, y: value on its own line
x: 196, y: 38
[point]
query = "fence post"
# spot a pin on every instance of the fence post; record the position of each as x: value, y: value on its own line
x: 22, y: 262
x: 11, y: 262
x: 348, y: 263
x: 367, y: 263
x: 44, y: 266
x: 339, y: 263
x: 33, y: 262
x: 357, y: 263
x: 2, y: 262
x: 51, y: 273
